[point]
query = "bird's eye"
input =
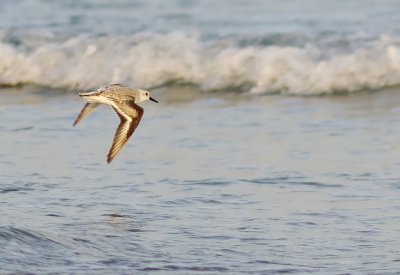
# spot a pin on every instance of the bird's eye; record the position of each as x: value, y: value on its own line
x: 147, y: 94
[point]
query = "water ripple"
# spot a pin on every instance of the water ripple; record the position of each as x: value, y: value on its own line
x: 11, y: 237
x: 211, y: 182
x: 290, y: 181
x: 186, y: 268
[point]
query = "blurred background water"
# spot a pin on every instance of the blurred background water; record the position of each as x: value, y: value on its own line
x: 297, y: 47
x: 274, y: 148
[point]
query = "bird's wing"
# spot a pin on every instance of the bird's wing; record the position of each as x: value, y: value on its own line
x: 130, y: 115
x: 86, y: 110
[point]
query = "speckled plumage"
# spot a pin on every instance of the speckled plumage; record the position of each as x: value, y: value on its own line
x: 124, y: 101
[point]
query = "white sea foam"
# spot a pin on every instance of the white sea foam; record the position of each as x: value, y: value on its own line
x: 149, y: 60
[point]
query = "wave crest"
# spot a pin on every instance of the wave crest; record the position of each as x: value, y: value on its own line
x: 149, y: 60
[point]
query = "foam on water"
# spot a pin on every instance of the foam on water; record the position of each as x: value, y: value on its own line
x: 150, y: 59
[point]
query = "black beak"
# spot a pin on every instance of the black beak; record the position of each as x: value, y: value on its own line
x: 152, y: 99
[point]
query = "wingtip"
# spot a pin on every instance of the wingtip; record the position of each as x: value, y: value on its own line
x: 109, y: 159
x: 76, y: 121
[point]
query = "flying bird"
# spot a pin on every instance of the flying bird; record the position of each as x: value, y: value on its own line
x: 124, y: 101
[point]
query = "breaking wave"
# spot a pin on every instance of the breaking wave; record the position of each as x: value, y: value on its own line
x: 152, y: 60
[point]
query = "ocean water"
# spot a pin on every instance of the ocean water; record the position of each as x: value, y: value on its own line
x: 297, y: 47
x: 274, y: 148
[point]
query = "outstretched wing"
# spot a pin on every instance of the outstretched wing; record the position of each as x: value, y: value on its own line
x: 86, y: 110
x: 130, y: 115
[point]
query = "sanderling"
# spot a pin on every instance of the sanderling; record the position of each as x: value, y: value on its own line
x: 124, y: 102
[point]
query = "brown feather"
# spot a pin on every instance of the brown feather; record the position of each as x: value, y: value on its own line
x: 130, y: 115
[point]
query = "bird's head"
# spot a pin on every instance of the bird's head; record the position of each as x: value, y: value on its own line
x: 144, y: 95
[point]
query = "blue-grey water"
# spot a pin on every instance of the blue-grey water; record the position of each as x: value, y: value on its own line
x: 274, y: 148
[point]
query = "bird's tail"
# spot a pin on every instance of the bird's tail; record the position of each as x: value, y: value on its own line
x: 89, y: 93
x: 91, y: 97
